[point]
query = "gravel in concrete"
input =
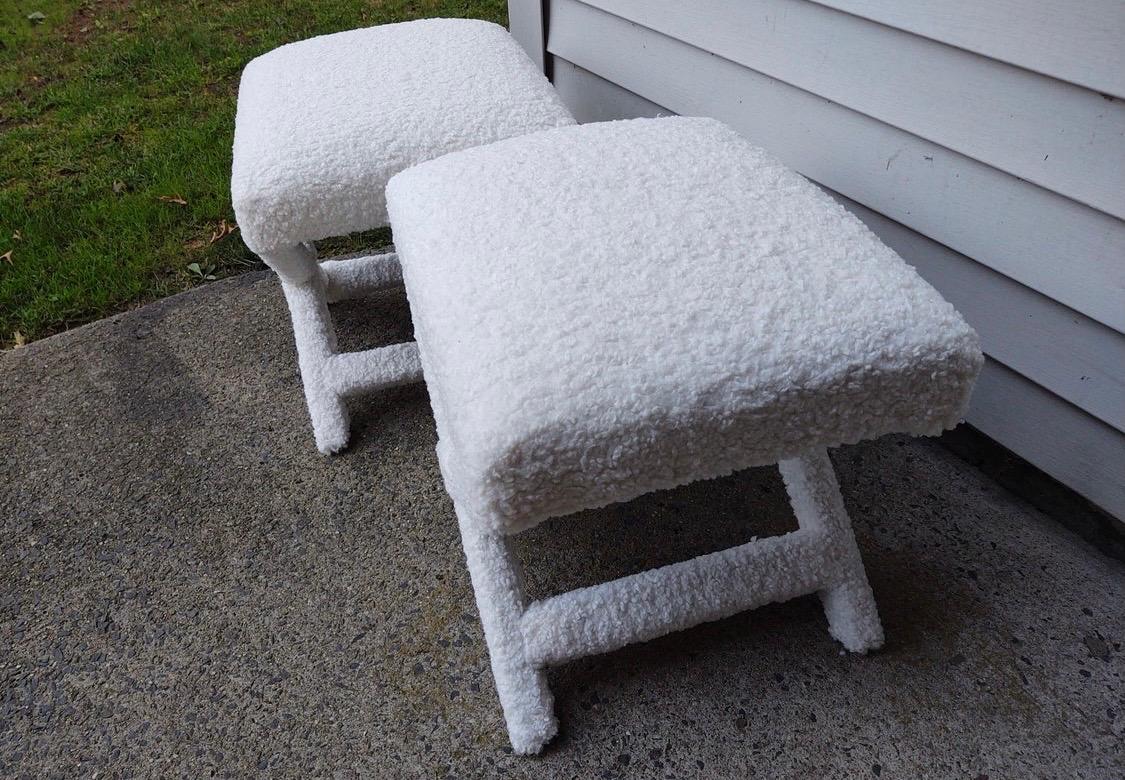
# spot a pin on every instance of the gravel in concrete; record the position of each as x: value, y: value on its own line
x: 188, y: 589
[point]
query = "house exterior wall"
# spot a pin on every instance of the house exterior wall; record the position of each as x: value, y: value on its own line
x: 984, y: 141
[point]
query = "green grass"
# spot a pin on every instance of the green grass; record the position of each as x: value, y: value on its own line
x: 111, y: 108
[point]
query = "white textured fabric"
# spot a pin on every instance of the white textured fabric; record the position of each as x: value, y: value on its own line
x: 611, y: 309
x: 329, y: 376
x: 821, y: 556
x: 322, y: 124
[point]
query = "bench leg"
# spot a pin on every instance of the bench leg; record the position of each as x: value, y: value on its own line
x: 328, y: 376
x: 521, y: 684
x: 820, y: 557
x: 848, y: 602
x: 316, y: 345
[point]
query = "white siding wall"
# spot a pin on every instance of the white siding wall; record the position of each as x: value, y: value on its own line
x: 986, y: 145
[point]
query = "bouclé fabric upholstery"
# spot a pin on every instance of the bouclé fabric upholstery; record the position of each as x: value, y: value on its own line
x: 606, y: 310
x: 323, y: 123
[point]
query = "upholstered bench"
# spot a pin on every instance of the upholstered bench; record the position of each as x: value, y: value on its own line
x: 322, y: 125
x: 611, y: 309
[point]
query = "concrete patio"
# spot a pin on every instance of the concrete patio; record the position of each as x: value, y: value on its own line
x: 188, y: 589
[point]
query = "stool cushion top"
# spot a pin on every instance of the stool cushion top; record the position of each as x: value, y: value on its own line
x: 610, y: 309
x: 322, y: 124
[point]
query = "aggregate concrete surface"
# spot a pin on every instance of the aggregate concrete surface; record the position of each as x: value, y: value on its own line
x: 187, y: 589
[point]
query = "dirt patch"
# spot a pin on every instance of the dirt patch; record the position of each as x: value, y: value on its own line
x: 83, y: 23
x: 75, y: 31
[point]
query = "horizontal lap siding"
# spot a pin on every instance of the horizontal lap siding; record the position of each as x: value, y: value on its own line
x: 1055, y: 245
x: 1026, y: 334
x: 1064, y: 138
x: 1079, y: 42
x: 593, y: 99
x: 1068, y: 354
x: 1060, y: 439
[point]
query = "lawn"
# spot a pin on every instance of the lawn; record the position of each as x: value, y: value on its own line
x: 116, y: 120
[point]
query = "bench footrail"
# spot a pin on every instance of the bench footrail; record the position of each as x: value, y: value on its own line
x: 820, y: 557
x: 330, y: 376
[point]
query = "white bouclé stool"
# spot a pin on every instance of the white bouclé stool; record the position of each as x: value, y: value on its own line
x: 322, y: 125
x: 611, y: 309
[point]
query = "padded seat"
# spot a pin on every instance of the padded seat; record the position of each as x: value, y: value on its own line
x: 322, y: 124
x: 606, y: 310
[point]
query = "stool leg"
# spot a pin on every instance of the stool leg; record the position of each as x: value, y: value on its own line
x: 316, y: 345
x: 522, y: 687
x: 848, y: 603
x: 294, y: 264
